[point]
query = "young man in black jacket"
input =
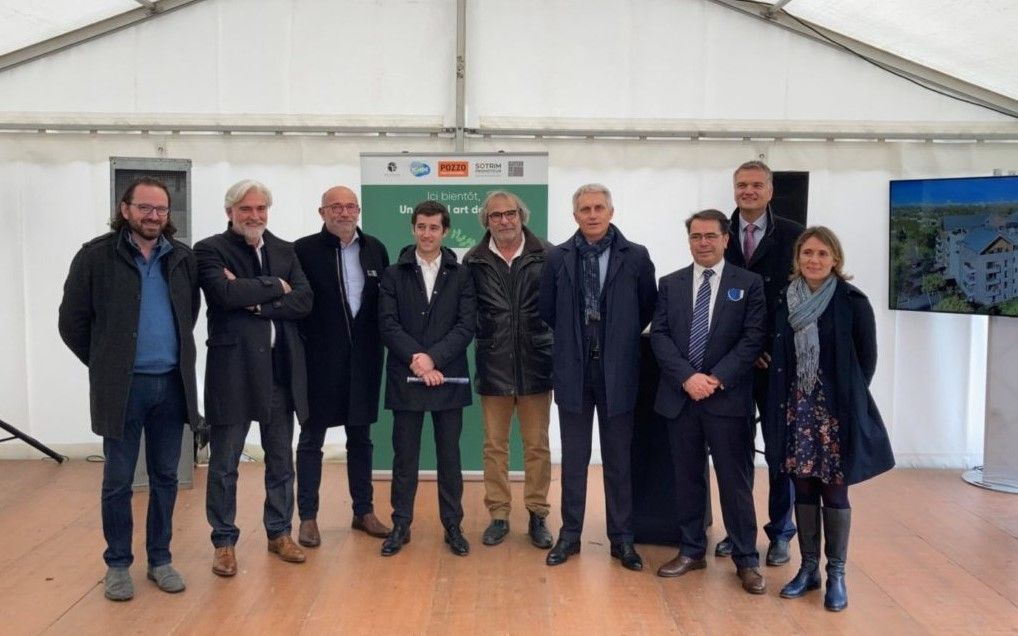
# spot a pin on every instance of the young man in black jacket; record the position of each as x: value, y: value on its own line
x: 426, y: 318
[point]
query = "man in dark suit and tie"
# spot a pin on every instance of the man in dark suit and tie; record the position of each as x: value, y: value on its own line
x: 762, y: 242
x: 256, y: 292
x: 708, y: 331
x: 597, y: 294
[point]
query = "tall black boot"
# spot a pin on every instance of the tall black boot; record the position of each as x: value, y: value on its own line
x: 807, y: 518
x: 837, y: 523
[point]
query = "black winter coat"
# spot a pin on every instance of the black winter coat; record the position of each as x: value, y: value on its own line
x: 848, y: 360
x: 238, y: 372
x: 442, y: 329
x: 772, y: 258
x: 513, y: 348
x: 99, y: 322
x: 344, y: 356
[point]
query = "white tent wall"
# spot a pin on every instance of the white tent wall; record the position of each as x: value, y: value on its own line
x: 612, y: 62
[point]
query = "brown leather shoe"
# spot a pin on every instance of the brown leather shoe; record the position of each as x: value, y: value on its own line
x: 680, y: 565
x: 308, y: 535
x: 369, y: 523
x: 752, y: 581
x: 286, y: 549
x: 224, y: 561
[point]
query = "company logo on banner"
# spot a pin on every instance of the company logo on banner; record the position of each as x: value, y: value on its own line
x: 453, y: 169
x: 419, y: 168
x: 487, y: 168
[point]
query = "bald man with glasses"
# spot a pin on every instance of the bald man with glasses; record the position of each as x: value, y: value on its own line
x: 344, y: 358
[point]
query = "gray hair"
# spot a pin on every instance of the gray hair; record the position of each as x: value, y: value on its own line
x: 595, y: 188
x: 755, y: 165
x: 240, y: 189
x: 482, y: 216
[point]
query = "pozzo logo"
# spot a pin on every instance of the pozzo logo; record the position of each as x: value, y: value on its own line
x: 419, y: 169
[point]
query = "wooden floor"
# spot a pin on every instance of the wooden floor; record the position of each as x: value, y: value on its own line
x: 928, y: 554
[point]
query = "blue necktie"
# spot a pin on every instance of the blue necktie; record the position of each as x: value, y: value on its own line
x: 701, y: 322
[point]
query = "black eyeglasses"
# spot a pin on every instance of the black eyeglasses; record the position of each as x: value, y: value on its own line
x: 147, y: 209
x: 508, y: 215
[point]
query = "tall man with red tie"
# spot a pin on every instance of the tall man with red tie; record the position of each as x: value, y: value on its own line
x: 761, y: 241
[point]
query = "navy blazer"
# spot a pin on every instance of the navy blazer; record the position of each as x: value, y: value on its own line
x: 628, y: 295
x: 734, y: 342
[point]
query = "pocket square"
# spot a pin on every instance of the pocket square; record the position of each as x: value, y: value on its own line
x: 735, y: 294
x: 372, y: 273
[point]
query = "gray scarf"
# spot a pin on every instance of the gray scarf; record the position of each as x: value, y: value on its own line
x: 804, y: 309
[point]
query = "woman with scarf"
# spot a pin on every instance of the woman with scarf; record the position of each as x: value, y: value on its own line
x: 821, y: 424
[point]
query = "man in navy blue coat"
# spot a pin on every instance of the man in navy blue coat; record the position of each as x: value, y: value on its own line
x: 707, y: 333
x: 597, y: 294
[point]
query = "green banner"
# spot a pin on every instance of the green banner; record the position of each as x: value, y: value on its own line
x: 391, y: 185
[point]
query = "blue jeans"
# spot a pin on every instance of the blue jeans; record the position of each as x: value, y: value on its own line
x: 226, y: 443
x: 156, y: 405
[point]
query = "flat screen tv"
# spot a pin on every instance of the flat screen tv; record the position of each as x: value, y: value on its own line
x: 954, y: 245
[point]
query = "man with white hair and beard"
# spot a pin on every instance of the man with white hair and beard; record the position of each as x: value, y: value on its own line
x: 256, y: 292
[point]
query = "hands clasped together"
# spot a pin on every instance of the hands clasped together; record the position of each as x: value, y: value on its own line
x: 423, y: 367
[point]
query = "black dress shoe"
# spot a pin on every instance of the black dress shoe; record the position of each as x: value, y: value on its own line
x: 777, y: 552
x: 457, y: 542
x: 393, y: 543
x: 496, y: 532
x: 563, y: 549
x: 538, y: 532
x: 724, y: 547
x: 626, y: 553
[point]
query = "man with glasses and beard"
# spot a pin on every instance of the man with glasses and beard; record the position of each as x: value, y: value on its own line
x: 130, y: 303
x: 256, y: 292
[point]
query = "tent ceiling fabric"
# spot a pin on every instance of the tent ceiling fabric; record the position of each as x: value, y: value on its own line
x: 972, y: 40
x: 25, y: 22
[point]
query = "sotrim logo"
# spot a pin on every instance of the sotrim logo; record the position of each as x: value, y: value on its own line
x: 419, y: 169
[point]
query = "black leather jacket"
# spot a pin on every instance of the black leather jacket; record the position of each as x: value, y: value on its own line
x: 513, y: 354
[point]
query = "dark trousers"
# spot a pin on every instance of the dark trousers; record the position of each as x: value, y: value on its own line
x: 729, y: 438
x: 406, y: 447
x: 155, y: 405
x: 616, y: 441
x: 358, y: 468
x: 226, y: 443
x: 780, y: 489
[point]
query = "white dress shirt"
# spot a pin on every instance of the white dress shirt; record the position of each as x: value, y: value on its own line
x: 715, y: 285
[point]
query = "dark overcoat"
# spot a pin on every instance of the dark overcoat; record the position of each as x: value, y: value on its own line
x: 513, y: 348
x: 99, y: 323
x: 734, y: 341
x: 238, y: 371
x: 344, y: 356
x: 772, y: 258
x: 627, y: 297
x: 848, y: 360
x: 442, y: 329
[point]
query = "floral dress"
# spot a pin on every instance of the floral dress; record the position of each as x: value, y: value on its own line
x: 814, y: 446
